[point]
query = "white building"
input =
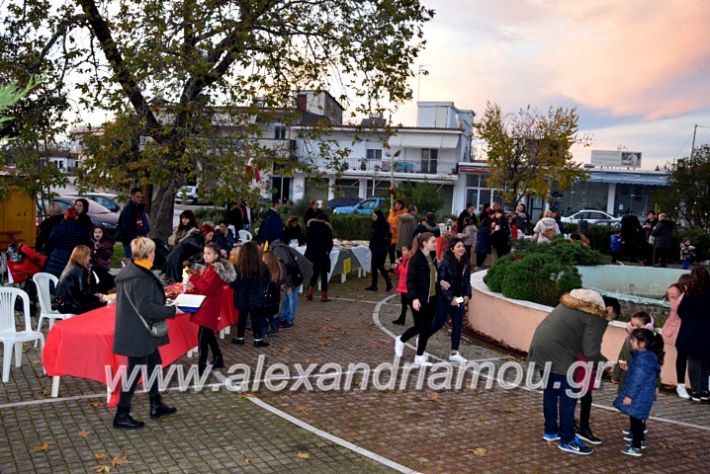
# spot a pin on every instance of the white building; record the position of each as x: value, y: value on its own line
x: 374, y: 157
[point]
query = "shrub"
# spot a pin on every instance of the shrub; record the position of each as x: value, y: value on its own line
x: 494, y: 277
x: 212, y: 214
x: 351, y: 226
x: 541, y: 273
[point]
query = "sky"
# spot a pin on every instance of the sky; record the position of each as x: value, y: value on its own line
x: 637, y: 71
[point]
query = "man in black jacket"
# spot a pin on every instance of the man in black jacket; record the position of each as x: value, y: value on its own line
x: 133, y: 221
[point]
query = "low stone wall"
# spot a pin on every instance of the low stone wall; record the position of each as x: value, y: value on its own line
x: 512, y: 323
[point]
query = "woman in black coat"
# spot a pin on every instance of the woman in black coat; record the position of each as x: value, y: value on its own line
x: 454, y: 291
x: 64, y: 237
x: 662, y: 239
x: 140, y: 299
x: 500, y: 237
x: 293, y: 231
x: 319, y: 243
x: 83, y: 220
x: 250, y: 287
x: 421, y: 291
x: 380, y: 237
x: 694, y: 332
x: 74, y: 293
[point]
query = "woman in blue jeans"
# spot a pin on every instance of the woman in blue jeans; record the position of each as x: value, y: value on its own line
x: 454, y: 291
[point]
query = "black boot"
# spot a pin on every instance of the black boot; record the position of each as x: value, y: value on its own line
x: 401, y: 319
x: 158, y: 408
x: 124, y: 420
x: 218, y: 362
x: 389, y: 283
x: 261, y: 343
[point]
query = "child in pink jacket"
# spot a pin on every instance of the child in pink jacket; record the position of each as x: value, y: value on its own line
x: 400, y: 268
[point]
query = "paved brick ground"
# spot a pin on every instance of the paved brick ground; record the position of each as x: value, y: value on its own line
x: 429, y: 430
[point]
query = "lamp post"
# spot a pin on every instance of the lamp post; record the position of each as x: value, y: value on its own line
x: 391, y: 160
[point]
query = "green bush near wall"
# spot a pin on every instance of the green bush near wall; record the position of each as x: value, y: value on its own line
x: 351, y: 227
x: 541, y: 273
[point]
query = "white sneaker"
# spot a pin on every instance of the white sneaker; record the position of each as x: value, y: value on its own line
x: 421, y: 361
x: 681, y: 391
x: 398, y: 347
x: 458, y: 358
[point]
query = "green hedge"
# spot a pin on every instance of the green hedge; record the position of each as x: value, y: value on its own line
x: 351, y: 227
x: 541, y: 273
x: 599, y: 237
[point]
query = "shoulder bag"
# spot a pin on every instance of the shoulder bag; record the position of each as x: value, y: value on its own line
x: 157, y: 328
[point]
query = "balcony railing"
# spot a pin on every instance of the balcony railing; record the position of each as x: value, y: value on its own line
x: 375, y: 165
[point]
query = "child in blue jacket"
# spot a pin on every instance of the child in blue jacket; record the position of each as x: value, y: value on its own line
x: 639, y: 390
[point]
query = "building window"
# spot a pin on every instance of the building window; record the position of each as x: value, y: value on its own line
x: 280, y: 132
x: 430, y: 157
x: 472, y: 181
x: 374, y: 154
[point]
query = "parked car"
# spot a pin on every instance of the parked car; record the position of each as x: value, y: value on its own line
x: 342, y: 202
x: 99, y: 215
x: 363, y: 207
x: 108, y: 200
x: 591, y: 216
x: 187, y: 194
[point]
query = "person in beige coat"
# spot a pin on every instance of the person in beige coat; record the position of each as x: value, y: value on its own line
x: 670, y: 334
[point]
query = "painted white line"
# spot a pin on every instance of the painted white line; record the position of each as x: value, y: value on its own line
x: 376, y: 320
x: 52, y: 400
x: 353, y: 300
x: 333, y: 439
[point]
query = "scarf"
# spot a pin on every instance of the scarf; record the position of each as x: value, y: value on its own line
x: 143, y: 262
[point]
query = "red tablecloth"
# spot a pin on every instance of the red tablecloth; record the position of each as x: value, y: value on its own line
x: 82, y: 346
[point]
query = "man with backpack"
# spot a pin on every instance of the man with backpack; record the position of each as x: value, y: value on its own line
x: 298, y: 269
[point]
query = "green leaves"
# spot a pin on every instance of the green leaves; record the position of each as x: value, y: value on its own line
x: 529, y: 151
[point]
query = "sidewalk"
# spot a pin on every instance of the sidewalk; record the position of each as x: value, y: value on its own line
x: 471, y: 430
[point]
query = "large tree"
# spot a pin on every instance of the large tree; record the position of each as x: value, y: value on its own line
x: 184, y: 72
x: 529, y: 151
x: 687, y: 196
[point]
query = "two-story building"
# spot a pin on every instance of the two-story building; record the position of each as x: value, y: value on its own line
x: 373, y: 157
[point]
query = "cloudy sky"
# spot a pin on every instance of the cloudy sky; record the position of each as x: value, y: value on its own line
x: 638, y: 71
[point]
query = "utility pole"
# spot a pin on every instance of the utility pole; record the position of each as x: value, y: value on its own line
x: 692, y: 145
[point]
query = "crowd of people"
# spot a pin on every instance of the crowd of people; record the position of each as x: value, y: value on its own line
x: 433, y: 265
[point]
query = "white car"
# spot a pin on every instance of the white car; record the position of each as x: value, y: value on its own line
x: 591, y: 216
x: 188, y: 194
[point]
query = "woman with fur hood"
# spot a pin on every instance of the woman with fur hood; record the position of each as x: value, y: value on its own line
x: 575, y: 326
x: 210, y: 282
x: 319, y: 243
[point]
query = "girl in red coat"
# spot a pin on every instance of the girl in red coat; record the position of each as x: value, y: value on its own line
x: 400, y: 268
x: 210, y: 282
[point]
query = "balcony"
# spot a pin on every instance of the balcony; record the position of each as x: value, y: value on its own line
x: 369, y: 167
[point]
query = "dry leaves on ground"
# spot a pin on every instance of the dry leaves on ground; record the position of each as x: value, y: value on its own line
x: 433, y: 396
x: 480, y: 452
x: 245, y: 461
x: 41, y: 448
x: 102, y: 468
x: 303, y: 455
x: 99, y: 456
x: 84, y: 433
x: 304, y: 410
x: 120, y: 460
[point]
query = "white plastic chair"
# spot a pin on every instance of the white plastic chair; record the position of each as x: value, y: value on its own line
x: 244, y: 236
x: 9, y: 335
x: 42, y: 282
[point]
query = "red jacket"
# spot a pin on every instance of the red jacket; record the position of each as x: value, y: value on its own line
x: 401, y: 270
x: 210, y: 285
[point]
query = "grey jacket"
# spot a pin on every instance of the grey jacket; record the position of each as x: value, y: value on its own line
x: 147, y: 294
x: 574, y: 327
x: 405, y: 230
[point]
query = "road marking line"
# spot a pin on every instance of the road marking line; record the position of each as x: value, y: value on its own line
x: 332, y: 438
x: 376, y: 320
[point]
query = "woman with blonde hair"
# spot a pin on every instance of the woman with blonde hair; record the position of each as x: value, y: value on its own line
x: 74, y: 292
x: 546, y: 228
x: 140, y: 310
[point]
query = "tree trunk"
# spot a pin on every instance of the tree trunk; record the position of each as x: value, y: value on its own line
x: 161, y: 211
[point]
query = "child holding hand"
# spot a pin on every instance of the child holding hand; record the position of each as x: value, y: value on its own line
x: 400, y: 268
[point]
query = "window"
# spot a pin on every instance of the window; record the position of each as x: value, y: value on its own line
x: 472, y: 180
x: 369, y: 204
x: 280, y: 132
x: 374, y: 154
x: 430, y: 158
